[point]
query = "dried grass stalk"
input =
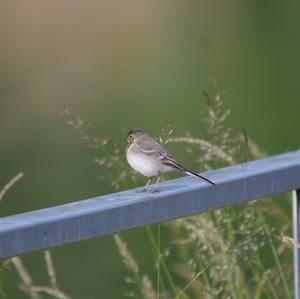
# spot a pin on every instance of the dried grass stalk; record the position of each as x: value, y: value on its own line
x: 25, y: 277
x: 206, y: 146
x: 10, y: 184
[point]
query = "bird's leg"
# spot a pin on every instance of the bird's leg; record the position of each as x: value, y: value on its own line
x: 145, y: 188
x: 155, y: 190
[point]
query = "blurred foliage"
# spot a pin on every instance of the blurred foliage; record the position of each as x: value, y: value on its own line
x: 235, y: 252
x: 121, y: 66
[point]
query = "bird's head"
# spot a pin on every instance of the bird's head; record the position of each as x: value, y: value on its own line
x: 134, y: 135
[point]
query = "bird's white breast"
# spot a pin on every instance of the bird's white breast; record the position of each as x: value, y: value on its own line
x: 143, y: 164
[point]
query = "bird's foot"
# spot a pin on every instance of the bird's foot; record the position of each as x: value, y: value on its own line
x: 154, y: 191
x: 144, y: 190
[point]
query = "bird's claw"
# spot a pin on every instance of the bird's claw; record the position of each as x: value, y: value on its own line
x: 154, y: 191
x: 144, y: 190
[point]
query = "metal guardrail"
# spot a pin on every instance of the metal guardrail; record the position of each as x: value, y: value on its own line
x: 178, y: 198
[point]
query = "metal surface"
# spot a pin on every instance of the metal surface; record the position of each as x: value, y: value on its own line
x: 124, y: 210
x: 296, y: 231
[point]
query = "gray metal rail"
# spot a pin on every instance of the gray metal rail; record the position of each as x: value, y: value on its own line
x: 296, y: 230
x: 178, y: 198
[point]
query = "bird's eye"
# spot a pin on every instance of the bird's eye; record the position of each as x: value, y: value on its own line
x: 130, y: 136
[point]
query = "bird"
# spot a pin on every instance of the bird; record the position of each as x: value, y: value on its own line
x: 149, y: 158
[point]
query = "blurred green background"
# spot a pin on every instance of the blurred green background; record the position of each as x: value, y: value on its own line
x: 120, y: 65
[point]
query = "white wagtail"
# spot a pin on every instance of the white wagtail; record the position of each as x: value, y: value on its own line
x: 149, y: 158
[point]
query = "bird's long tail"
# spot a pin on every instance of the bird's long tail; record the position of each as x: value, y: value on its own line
x: 169, y: 160
x: 198, y: 176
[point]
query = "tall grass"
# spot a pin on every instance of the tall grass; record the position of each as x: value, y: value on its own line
x: 27, y: 285
x: 235, y: 252
x: 6, y: 262
x: 242, y: 251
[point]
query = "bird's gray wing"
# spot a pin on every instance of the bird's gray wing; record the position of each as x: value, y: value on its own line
x: 157, y: 153
x: 164, y: 156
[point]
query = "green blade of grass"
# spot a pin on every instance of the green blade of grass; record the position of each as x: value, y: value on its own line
x: 278, y: 265
x: 196, y: 276
x: 158, y: 259
x: 163, y: 263
x: 4, y: 266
